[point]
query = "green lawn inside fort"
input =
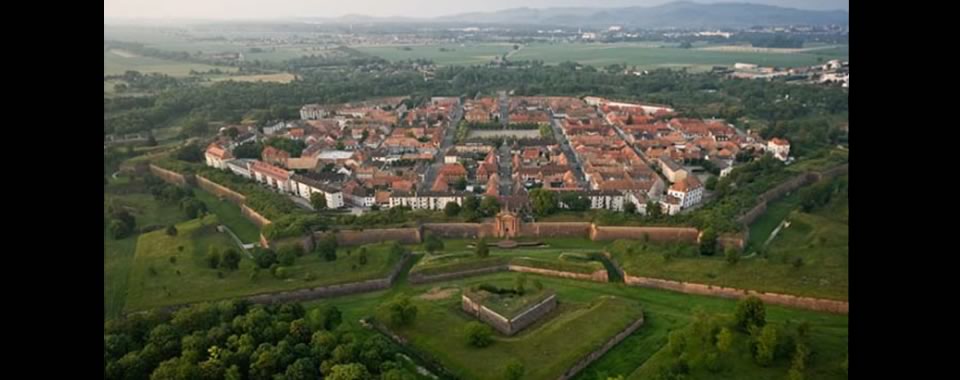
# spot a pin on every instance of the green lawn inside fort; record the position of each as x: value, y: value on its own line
x: 564, y: 254
x: 157, y: 280
x: 664, y: 311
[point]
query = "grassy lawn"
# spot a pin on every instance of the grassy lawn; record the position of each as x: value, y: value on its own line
x: 663, y: 311
x: 229, y: 214
x: 820, y: 241
x: 509, y: 305
x: 762, y: 227
x: 197, y: 282
x: 558, y: 254
x: 118, y: 254
x: 546, y: 349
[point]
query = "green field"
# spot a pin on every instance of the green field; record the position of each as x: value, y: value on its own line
x: 644, y: 55
x: 820, y: 240
x: 776, y: 211
x: 558, y: 254
x: 115, y: 63
x: 197, y: 282
x: 466, y: 54
x: 546, y: 349
x: 118, y: 254
x: 229, y: 214
x: 663, y: 312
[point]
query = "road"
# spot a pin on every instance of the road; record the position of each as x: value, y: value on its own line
x: 568, y: 151
x: 448, y: 136
x: 638, y: 151
x: 505, y: 170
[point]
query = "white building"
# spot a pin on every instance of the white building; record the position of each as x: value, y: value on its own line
x: 313, y: 112
x: 780, y: 148
x: 638, y: 200
x: 241, y: 167
x: 425, y: 200
x: 745, y: 66
x: 605, y: 199
x: 217, y: 157
x: 670, y: 205
x: 688, y: 191
x: 274, y: 177
x: 309, y: 183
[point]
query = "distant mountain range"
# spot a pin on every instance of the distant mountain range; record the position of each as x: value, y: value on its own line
x: 681, y: 14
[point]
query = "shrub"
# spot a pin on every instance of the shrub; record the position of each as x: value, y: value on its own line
x: 287, y: 257
x: 750, y: 312
x: 280, y: 273
x: 514, y: 370
x: 119, y: 229
x: 732, y: 256
x: 230, y: 259
x: 213, y: 257
x: 171, y: 230
x: 264, y: 258
x: 173, y: 259
x: 798, y: 262
x: 152, y: 270
x: 399, y: 311
x: 478, y: 334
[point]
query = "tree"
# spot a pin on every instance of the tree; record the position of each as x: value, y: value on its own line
x: 286, y: 257
x: 171, y: 230
x: 478, y: 334
x: 489, y: 206
x: 798, y: 363
x: 708, y: 242
x: 327, y: 247
x: 653, y: 210
x: 460, y: 184
x: 190, y: 153
x: 119, y: 229
x: 482, y: 250
x: 711, y: 183
x: 544, y: 202
x: 302, y: 369
x: 575, y: 202
x: 451, y: 209
x: 213, y: 257
x: 732, y: 255
x: 398, y: 374
x: 630, y: 208
x: 264, y: 258
x: 399, y: 311
x: 232, y: 133
x: 471, y: 203
x: 318, y: 201
x: 248, y: 150
x: 514, y: 370
x: 352, y: 371
x: 433, y: 244
x: 750, y: 311
x: 766, y: 345
x: 230, y: 260
x: 192, y: 207
x: 724, y: 340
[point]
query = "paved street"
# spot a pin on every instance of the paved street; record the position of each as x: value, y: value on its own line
x: 449, y: 134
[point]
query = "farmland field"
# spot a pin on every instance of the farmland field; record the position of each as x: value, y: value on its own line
x: 468, y: 54
x: 647, y: 57
x: 115, y: 63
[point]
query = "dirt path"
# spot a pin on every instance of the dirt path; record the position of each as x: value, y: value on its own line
x: 438, y: 293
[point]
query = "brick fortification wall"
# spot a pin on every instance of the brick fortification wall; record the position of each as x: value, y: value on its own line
x: 832, y: 306
x: 509, y: 326
x: 254, y: 216
x: 334, y: 290
x: 598, y: 276
x: 220, y: 190
x: 570, y: 229
x: 656, y: 234
x: 795, y: 183
x: 586, y: 360
x: 459, y: 230
x: 169, y: 176
x: 361, y: 237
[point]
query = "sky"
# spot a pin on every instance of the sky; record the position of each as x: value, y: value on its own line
x: 261, y: 9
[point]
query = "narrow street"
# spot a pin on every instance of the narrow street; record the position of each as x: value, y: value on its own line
x: 448, y: 136
x: 568, y: 151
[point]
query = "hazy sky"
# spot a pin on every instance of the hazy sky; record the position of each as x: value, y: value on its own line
x: 231, y: 9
